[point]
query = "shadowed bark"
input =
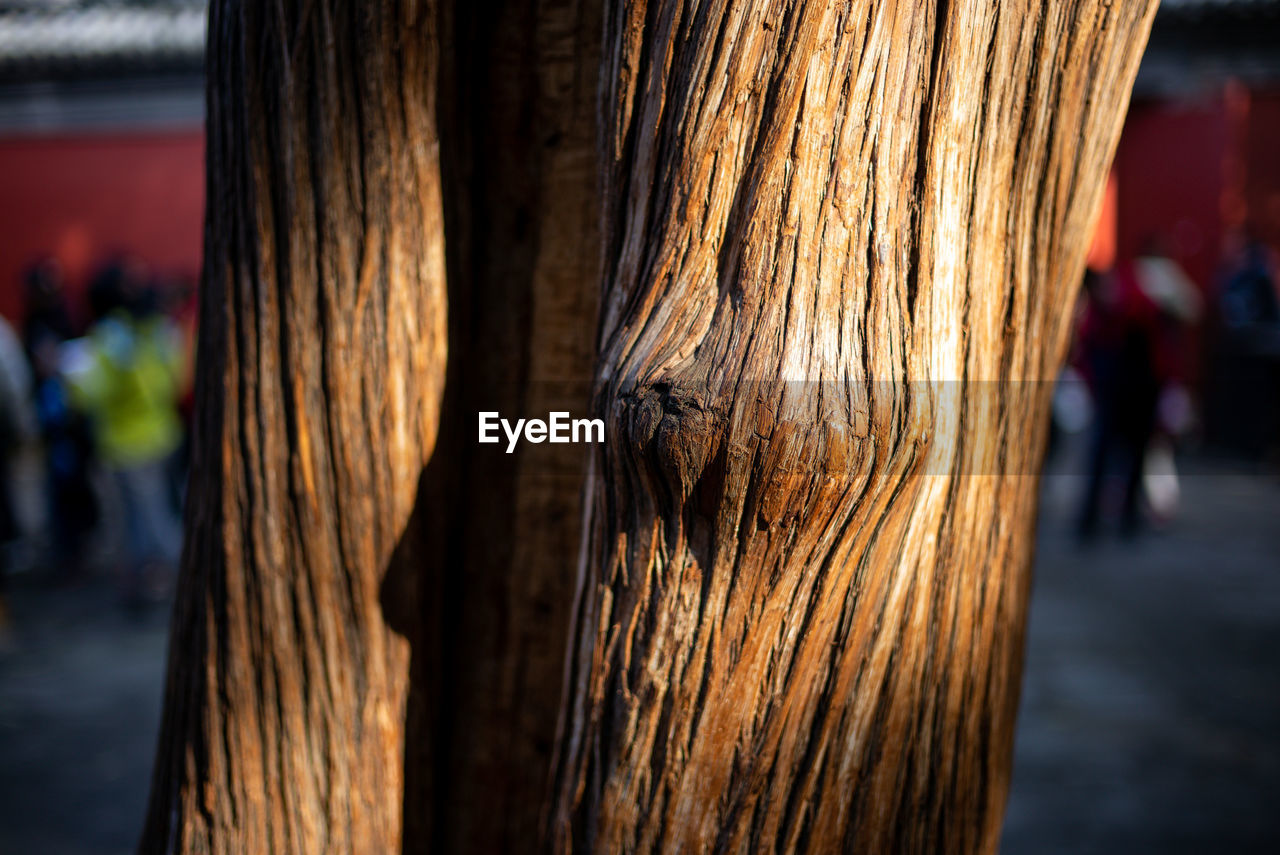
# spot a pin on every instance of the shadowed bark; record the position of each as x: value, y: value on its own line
x: 321, y: 366
x: 842, y: 244
x: 518, y: 131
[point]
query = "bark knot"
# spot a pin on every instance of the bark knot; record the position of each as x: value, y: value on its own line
x: 670, y: 434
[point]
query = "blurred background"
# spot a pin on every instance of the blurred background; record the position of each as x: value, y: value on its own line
x: 1151, y: 706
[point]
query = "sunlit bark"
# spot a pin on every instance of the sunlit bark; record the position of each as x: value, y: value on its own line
x: 842, y: 244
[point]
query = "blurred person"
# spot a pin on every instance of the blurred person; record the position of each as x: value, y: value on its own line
x: 1116, y: 359
x: 1131, y: 348
x: 181, y: 305
x: 1243, y: 395
x: 126, y: 375
x: 1247, y: 289
x: 1171, y: 292
x: 47, y: 319
x: 64, y: 432
x: 16, y: 427
x: 68, y: 456
x: 17, y: 421
x: 1177, y: 307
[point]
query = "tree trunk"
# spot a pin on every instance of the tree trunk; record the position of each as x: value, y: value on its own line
x: 321, y: 367
x: 841, y: 247
x: 324, y: 305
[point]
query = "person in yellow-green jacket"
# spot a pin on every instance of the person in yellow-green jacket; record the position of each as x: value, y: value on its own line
x: 126, y: 375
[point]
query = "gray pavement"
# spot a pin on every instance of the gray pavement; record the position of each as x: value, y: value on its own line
x: 79, y: 710
x: 1150, y: 719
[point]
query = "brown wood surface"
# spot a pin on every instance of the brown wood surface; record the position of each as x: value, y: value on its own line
x: 320, y: 372
x: 834, y: 248
x: 519, y: 159
x: 842, y: 245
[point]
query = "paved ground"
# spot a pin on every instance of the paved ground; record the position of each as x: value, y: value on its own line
x: 79, y: 711
x: 1150, y: 715
x: 1150, y: 724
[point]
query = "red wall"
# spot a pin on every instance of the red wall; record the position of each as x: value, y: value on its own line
x: 1170, y: 168
x: 1261, y: 168
x: 82, y: 198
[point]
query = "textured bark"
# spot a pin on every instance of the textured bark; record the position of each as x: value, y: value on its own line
x: 323, y: 350
x: 841, y: 247
x: 321, y: 366
x: 520, y: 165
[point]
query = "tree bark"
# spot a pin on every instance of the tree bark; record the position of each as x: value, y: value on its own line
x: 841, y: 247
x: 324, y: 304
x: 519, y: 159
x: 321, y: 367
x: 838, y: 248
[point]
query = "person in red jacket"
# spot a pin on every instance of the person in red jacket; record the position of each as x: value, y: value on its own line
x: 1130, y: 351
